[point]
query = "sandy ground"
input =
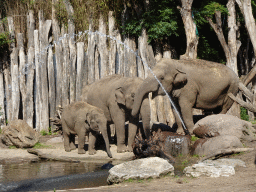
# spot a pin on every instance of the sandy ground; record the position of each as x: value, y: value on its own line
x: 243, y: 180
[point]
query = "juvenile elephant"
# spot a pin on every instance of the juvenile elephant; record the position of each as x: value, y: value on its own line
x: 192, y: 84
x: 115, y: 94
x: 79, y: 118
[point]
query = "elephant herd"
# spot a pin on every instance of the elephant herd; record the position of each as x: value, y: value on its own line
x: 116, y: 99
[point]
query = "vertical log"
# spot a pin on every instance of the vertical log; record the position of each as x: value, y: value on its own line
x: 130, y: 58
x: 51, y: 77
x: 103, y: 49
x: 58, y: 55
x: 120, y: 55
x: 80, y: 69
x: 97, y: 64
x: 29, y: 103
x: 91, y: 55
x: 30, y: 81
x: 112, y: 50
x: 15, y: 84
x: 22, y: 73
x: 38, y: 84
x: 66, y: 72
x: 72, y: 46
x: 44, y: 28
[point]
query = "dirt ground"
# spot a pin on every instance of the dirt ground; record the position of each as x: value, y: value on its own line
x: 243, y: 180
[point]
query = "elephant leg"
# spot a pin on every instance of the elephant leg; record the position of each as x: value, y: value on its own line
x: 72, y: 142
x: 133, y: 122
x: 118, y: 117
x: 92, y: 141
x: 186, y: 108
x: 66, y: 136
x: 81, y: 137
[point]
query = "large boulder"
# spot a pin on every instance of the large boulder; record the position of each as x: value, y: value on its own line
x: 214, y: 168
x: 151, y: 167
x: 208, y: 146
x: 18, y: 133
x: 223, y: 124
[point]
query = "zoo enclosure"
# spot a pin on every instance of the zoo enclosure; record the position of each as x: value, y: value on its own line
x: 58, y: 63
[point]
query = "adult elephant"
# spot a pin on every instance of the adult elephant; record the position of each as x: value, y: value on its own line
x: 115, y: 94
x: 192, y: 84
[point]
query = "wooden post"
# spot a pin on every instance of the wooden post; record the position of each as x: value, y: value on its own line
x: 72, y: 47
x: 80, y: 69
x: 37, y: 88
x: 51, y: 78
x: 15, y: 84
x: 120, y: 55
x: 90, y: 55
x: 103, y: 49
x: 22, y: 73
x: 44, y: 28
x: 130, y: 58
x: 97, y: 63
x: 112, y: 50
x: 30, y: 82
x: 65, y: 72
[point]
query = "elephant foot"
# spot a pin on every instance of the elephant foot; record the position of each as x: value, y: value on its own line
x: 72, y: 146
x: 67, y: 149
x: 92, y: 152
x: 129, y: 149
x: 121, y: 149
x: 81, y: 151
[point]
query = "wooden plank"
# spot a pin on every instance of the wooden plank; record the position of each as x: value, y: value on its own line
x: 80, y: 69
x: 22, y: 73
x: 51, y: 78
x: 44, y: 29
x: 130, y: 69
x: 30, y: 83
x: 97, y: 72
x: 72, y: 47
x: 38, y: 84
x: 8, y: 92
x: 65, y: 72
x: 90, y: 55
x: 120, y: 55
x: 103, y: 49
x: 15, y: 84
x: 112, y: 43
x: 30, y: 28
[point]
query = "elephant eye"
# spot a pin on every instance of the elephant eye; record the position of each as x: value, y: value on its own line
x: 133, y: 95
x: 161, y: 78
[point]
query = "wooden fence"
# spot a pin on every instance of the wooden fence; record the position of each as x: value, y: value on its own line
x: 56, y: 65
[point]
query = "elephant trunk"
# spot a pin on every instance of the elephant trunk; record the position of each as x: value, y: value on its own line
x: 149, y: 85
x: 105, y: 137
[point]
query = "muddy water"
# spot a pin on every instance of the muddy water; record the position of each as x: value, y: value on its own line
x: 49, y: 175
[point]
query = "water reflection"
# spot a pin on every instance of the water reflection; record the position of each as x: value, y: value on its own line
x: 44, y: 169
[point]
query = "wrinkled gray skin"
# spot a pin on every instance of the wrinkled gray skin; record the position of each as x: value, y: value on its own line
x: 80, y: 118
x: 192, y: 84
x: 114, y: 94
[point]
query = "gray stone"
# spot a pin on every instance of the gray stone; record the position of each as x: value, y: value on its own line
x: 223, y: 124
x: 209, y: 170
x: 225, y: 161
x: 18, y: 133
x: 215, y: 144
x: 151, y: 167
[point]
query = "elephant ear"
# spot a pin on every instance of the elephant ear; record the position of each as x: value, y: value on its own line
x: 120, y: 98
x: 88, y: 118
x: 180, y: 78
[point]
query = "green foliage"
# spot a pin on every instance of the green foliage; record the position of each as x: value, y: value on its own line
x: 39, y: 145
x: 243, y: 114
x: 194, y: 138
x: 12, y: 147
x: 210, y: 9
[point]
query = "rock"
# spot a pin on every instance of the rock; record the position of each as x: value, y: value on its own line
x: 209, y: 170
x: 223, y: 124
x: 225, y: 161
x: 55, y: 140
x: 151, y: 167
x: 205, y: 147
x: 18, y: 133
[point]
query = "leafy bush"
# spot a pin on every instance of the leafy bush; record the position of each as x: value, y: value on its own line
x: 243, y: 114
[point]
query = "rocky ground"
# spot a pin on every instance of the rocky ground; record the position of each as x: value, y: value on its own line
x: 243, y: 180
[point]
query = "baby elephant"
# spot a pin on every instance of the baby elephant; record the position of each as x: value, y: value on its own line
x: 79, y: 118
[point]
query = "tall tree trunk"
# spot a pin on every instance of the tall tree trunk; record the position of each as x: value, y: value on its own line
x: 190, y: 29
